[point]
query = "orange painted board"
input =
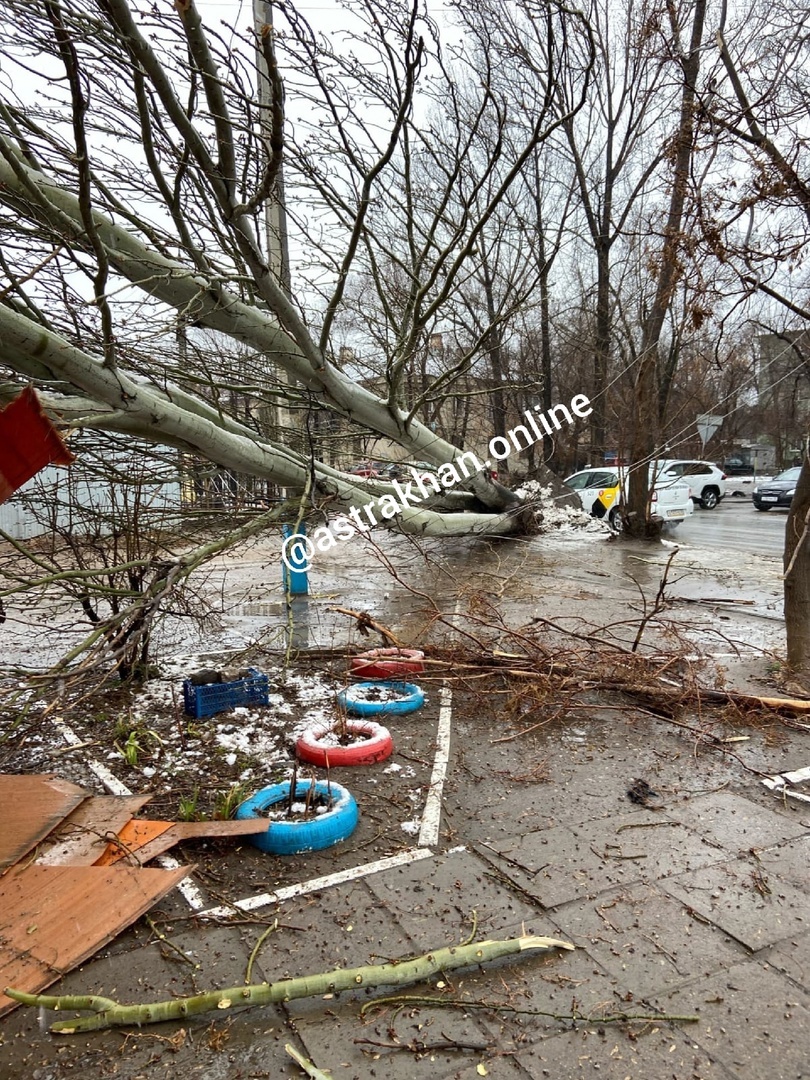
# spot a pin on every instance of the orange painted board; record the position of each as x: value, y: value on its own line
x: 134, y: 835
x: 54, y: 917
x: 83, y: 836
x: 181, y: 830
x: 32, y: 807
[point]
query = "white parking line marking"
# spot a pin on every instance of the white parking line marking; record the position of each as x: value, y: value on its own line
x: 189, y: 891
x: 428, y: 832
x: 110, y: 782
x: 316, y: 884
x: 431, y: 818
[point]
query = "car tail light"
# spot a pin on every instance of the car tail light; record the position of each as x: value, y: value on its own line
x: 654, y: 497
x: 724, y: 477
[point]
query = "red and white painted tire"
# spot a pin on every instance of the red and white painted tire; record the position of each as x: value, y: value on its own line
x: 376, y: 746
x: 387, y: 663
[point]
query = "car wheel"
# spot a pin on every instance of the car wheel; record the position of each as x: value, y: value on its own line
x: 615, y: 519
x: 710, y: 498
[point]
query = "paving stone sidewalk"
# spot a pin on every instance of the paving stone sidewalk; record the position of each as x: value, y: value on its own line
x: 698, y: 906
x: 695, y: 904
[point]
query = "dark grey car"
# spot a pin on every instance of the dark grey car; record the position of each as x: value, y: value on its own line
x: 776, y: 492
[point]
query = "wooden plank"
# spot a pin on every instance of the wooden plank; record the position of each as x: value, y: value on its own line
x: 134, y: 835
x: 187, y: 830
x: 54, y: 917
x: 32, y: 807
x: 175, y: 832
x: 795, y: 704
x: 84, y: 835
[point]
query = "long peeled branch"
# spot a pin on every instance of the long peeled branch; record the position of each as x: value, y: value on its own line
x: 109, y: 1013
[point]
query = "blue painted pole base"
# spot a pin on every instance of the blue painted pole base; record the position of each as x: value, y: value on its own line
x: 295, y: 563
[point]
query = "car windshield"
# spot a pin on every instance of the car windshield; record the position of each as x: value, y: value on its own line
x: 578, y: 480
x: 789, y: 474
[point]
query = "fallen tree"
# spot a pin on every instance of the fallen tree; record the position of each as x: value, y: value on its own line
x: 175, y: 212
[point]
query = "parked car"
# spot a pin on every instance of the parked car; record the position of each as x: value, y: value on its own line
x: 708, y: 483
x: 369, y: 470
x: 599, y: 492
x: 776, y: 492
x: 363, y: 468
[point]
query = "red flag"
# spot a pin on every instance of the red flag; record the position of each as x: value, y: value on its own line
x: 28, y: 442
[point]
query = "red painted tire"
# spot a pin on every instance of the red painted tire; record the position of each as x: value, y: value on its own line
x: 376, y: 747
x: 387, y: 663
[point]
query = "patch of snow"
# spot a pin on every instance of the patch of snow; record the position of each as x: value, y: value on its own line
x: 377, y: 693
x: 310, y: 688
x: 411, y: 827
x: 551, y: 515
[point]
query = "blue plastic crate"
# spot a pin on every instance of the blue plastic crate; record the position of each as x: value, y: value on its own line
x: 214, y: 698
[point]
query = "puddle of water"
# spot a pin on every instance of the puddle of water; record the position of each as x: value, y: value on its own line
x: 266, y: 608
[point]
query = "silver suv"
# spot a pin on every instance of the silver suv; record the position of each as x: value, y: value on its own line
x: 708, y: 483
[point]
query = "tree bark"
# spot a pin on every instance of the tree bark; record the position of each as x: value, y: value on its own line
x: 797, y: 576
x: 494, y: 346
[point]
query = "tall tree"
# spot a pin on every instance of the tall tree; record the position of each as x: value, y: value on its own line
x: 616, y: 147
x: 645, y: 437
x: 759, y: 102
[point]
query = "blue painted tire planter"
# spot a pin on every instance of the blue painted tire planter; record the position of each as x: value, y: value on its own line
x: 353, y: 698
x: 290, y: 837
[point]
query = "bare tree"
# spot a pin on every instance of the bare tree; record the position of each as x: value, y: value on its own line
x: 646, y: 433
x: 616, y: 147
x: 761, y: 105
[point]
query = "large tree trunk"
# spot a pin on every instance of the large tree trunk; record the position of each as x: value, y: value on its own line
x: 797, y: 576
x: 645, y: 440
x: 494, y: 347
x: 601, y: 348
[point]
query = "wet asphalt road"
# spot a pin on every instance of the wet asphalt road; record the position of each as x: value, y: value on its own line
x: 734, y: 526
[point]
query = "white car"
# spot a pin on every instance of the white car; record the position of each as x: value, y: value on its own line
x: 599, y: 492
x: 708, y: 483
